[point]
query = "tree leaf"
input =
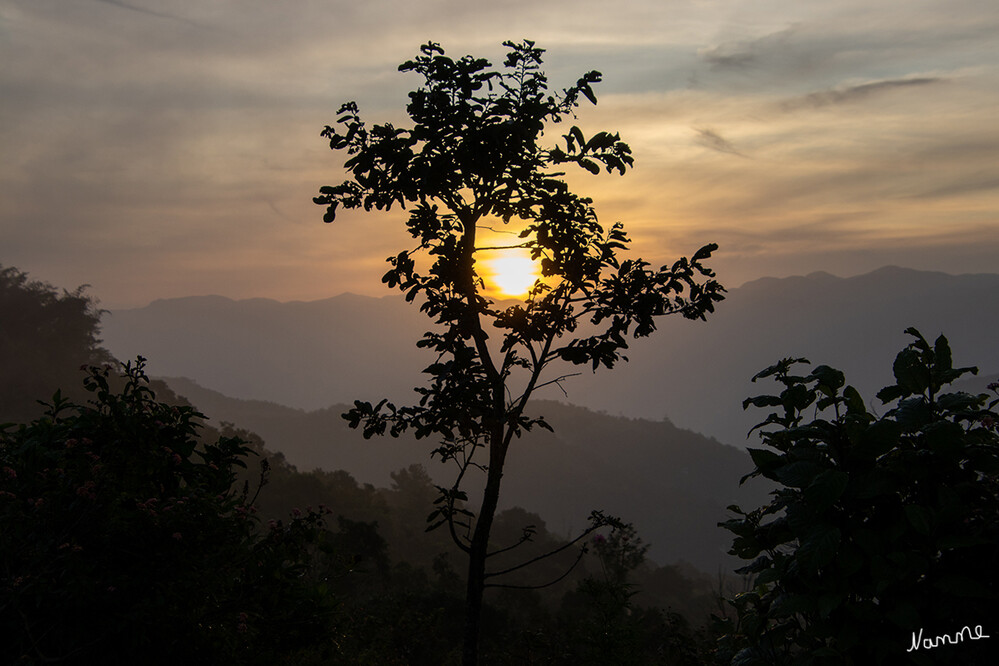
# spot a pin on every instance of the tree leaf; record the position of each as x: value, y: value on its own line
x: 827, y: 488
x: 798, y: 474
x: 920, y: 519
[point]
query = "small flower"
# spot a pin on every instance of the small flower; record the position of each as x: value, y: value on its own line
x: 177, y: 536
x: 87, y: 490
x: 9, y: 473
x: 296, y: 512
x: 599, y: 540
x: 994, y: 386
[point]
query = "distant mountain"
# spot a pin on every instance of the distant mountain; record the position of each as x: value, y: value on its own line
x: 311, y: 355
x: 672, y: 484
x: 303, y: 354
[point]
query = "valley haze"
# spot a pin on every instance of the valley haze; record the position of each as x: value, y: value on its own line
x: 310, y: 355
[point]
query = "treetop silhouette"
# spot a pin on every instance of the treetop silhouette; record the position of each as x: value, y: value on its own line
x: 474, y: 158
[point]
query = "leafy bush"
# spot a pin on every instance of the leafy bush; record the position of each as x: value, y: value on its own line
x: 882, y: 526
x: 45, y: 338
x: 125, y: 540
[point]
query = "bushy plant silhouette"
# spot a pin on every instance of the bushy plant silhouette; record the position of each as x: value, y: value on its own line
x: 473, y: 158
x: 45, y: 337
x: 883, y: 527
x: 127, y: 540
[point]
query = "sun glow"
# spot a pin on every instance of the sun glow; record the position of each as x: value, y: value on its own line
x: 509, y: 273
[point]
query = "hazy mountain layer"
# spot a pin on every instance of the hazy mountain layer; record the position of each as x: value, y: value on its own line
x: 672, y: 484
x: 314, y: 354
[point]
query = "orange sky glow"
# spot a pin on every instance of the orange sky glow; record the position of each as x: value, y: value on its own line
x: 170, y: 148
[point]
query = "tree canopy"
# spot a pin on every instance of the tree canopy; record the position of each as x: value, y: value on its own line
x: 45, y: 336
x: 474, y: 158
x: 128, y: 540
x: 882, y: 526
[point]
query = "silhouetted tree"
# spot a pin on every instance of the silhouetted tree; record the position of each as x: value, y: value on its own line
x: 471, y: 159
x: 45, y: 337
x: 126, y: 540
x: 883, y: 527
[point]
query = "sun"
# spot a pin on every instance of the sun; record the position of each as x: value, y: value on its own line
x: 510, y: 273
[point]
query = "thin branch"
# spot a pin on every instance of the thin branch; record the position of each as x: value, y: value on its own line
x: 496, y: 231
x: 501, y: 247
x: 557, y: 380
x: 564, y: 546
x: 528, y: 535
x: 568, y: 571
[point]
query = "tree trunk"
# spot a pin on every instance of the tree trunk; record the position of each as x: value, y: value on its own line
x: 480, y: 549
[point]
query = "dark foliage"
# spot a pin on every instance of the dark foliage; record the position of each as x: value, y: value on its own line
x: 133, y: 534
x: 125, y: 540
x: 883, y: 525
x: 474, y: 158
x: 45, y: 336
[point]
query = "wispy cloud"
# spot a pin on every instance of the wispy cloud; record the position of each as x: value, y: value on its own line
x: 182, y: 156
x: 848, y: 94
x: 710, y: 139
x: 744, y: 53
x: 147, y: 11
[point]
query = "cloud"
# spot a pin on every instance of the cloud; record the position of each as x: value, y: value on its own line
x: 849, y: 94
x: 143, y: 10
x: 157, y: 158
x: 711, y: 139
x: 749, y: 52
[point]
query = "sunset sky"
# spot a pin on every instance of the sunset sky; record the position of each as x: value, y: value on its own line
x: 168, y: 148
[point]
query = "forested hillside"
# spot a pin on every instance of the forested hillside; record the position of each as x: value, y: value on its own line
x: 300, y: 354
x: 673, y: 484
x: 109, y: 551
x: 46, y: 334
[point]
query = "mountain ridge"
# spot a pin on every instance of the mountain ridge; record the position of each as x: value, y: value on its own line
x: 666, y: 480
x: 310, y: 354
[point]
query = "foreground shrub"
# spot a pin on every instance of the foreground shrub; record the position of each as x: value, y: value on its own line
x: 883, y: 527
x: 125, y: 540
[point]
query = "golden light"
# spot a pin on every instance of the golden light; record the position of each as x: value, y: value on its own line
x: 509, y: 273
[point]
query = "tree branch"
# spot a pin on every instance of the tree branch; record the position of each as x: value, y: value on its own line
x: 579, y: 558
x: 550, y: 553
